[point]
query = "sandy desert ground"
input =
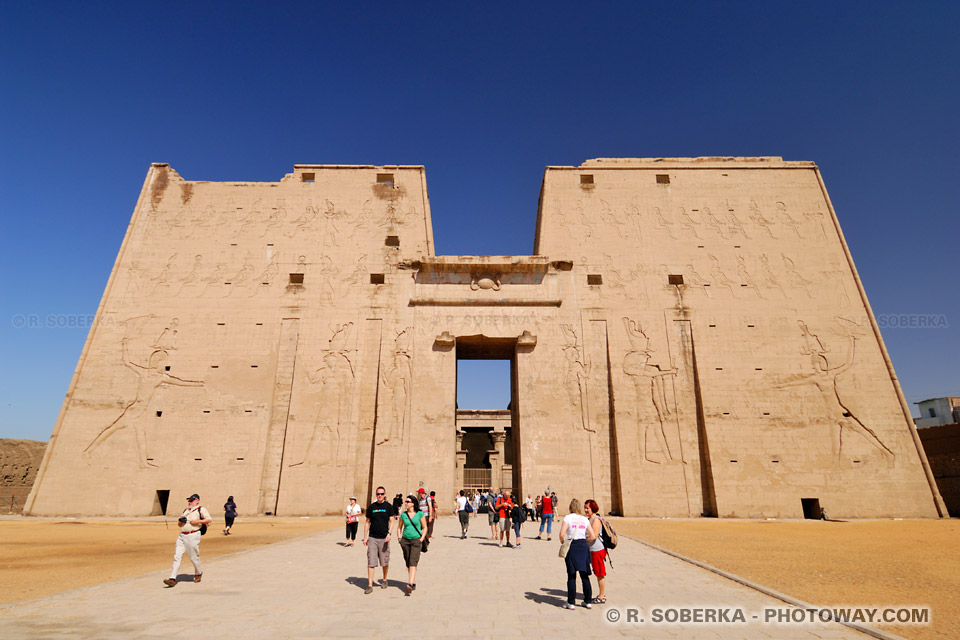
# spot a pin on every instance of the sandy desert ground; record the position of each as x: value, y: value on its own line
x: 868, y: 563
x: 871, y: 563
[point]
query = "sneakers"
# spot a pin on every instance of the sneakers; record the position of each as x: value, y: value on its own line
x: 587, y: 605
x: 538, y: 538
x: 368, y: 591
x: 170, y: 582
x: 567, y: 605
x: 383, y: 584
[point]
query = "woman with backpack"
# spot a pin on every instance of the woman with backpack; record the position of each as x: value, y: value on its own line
x: 229, y: 515
x: 411, y: 531
x: 598, y: 553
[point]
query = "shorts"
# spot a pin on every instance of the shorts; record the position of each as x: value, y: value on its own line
x: 411, y: 550
x: 596, y: 561
x: 378, y: 552
x: 504, y: 524
x: 490, y: 516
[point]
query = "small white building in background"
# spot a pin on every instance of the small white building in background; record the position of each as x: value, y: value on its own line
x: 937, y: 411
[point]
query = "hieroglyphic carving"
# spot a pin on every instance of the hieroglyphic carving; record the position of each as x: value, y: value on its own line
x: 150, y: 377
x: 167, y: 340
x: 165, y: 276
x: 268, y: 276
x: 194, y: 277
x: 719, y: 278
x: 652, y: 408
x: 303, y: 221
x: 692, y: 278
x: 735, y: 224
x: 276, y: 217
x: 823, y: 376
x: 242, y: 277
x: 663, y: 223
x: 758, y: 219
x: 745, y: 278
x: 575, y: 378
x: 395, y: 382
x: 815, y: 220
x: 784, y: 218
x: 687, y: 222
x: 794, y: 277
x: 769, y: 277
x: 610, y: 219
x: 336, y: 378
x: 713, y: 221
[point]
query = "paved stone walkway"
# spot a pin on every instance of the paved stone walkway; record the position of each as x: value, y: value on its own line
x: 313, y: 588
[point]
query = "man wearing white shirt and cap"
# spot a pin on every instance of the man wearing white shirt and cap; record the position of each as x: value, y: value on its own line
x: 191, y: 521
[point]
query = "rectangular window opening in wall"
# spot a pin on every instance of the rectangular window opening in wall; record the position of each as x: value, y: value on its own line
x: 392, y: 241
x: 206, y: 410
x: 663, y: 178
x: 699, y: 246
x: 254, y: 366
x: 766, y: 413
x: 214, y: 366
x: 811, y: 508
x: 221, y: 324
x: 733, y: 461
x: 775, y: 461
x: 751, y: 326
x: 385, y: 179
x: 259, y: 324
x: 166, y: 368
x: 711, y: 325
x: 159, y: 413
x: 758, y: 369
x: 308, y: 177
x: 239, y: 459
x: 594, y: 278
x: 675, y: 279
x: 248, y: 410
x: 726, y: 413
x: 197, y: 459
x: 736, y: 246
x: 586, y: 179
x: 376, y: 278
x: 296, y: 278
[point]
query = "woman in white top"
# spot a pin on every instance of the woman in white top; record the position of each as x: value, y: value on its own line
x: 598, y: 552
x: 577, y: 529
x: 353, y: 521
x: 463, y: 514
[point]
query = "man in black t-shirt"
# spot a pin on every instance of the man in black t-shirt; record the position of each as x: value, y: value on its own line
x: 381, y: 517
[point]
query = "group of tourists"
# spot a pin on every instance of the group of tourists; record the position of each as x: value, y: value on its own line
x: 584, y: 535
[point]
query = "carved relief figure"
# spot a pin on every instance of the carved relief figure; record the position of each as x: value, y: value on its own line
x: 815, y: 220
x: 243, y: 276
x: 336, y: 378
x: 652, y: 408
x: 824, y: 376
x: 736, y: 225
x: 691, y: 277
x: 769, y: 277
x: 711, y: 221
x: 663, y: 223
x: 688, y: 223
x: 758, y: 219
x: 193, y: 278
x: 165, y: 276
x: 719, y: 278
x: 745, y: 276
x: 575, y: 379
x: 303, y: 221
x: 268, y: 275
x: 794, y: 276
x: 784, y: 218
x: 167, y: 339
x: 396, y: 381
x: 151, y: 376
x: 609, y: 218
x: 276, y: 217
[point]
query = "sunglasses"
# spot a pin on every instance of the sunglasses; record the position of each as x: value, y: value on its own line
x: 381, y: 494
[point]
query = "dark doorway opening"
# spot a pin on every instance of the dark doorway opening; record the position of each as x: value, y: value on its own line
x: 811, y: 508
x: 160, y: 502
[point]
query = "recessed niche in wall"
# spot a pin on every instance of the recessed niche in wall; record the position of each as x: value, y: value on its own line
x: 376, y: 278
x: 296, y: 278
x: 594, y: 278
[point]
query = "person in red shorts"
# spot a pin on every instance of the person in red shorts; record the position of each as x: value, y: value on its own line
x: 598, y: 553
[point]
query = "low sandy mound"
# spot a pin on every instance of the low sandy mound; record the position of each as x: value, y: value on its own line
x: 19, y: 461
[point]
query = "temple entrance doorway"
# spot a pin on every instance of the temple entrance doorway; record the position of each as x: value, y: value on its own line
x: 486, y: 415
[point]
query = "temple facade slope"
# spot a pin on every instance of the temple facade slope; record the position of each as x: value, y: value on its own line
x: 689, y: 337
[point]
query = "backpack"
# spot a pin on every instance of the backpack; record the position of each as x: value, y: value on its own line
x: 469, y: 507
x: 608, y: 534
x: 518, y: 515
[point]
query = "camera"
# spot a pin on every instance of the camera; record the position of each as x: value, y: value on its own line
x: 183, y: 520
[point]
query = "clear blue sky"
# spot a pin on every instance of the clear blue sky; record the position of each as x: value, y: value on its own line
x: 484, y: 95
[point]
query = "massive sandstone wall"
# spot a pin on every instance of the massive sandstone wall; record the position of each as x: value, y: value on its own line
x: 239, y: 337
x: 759, y: 378
x: 690, y: 338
